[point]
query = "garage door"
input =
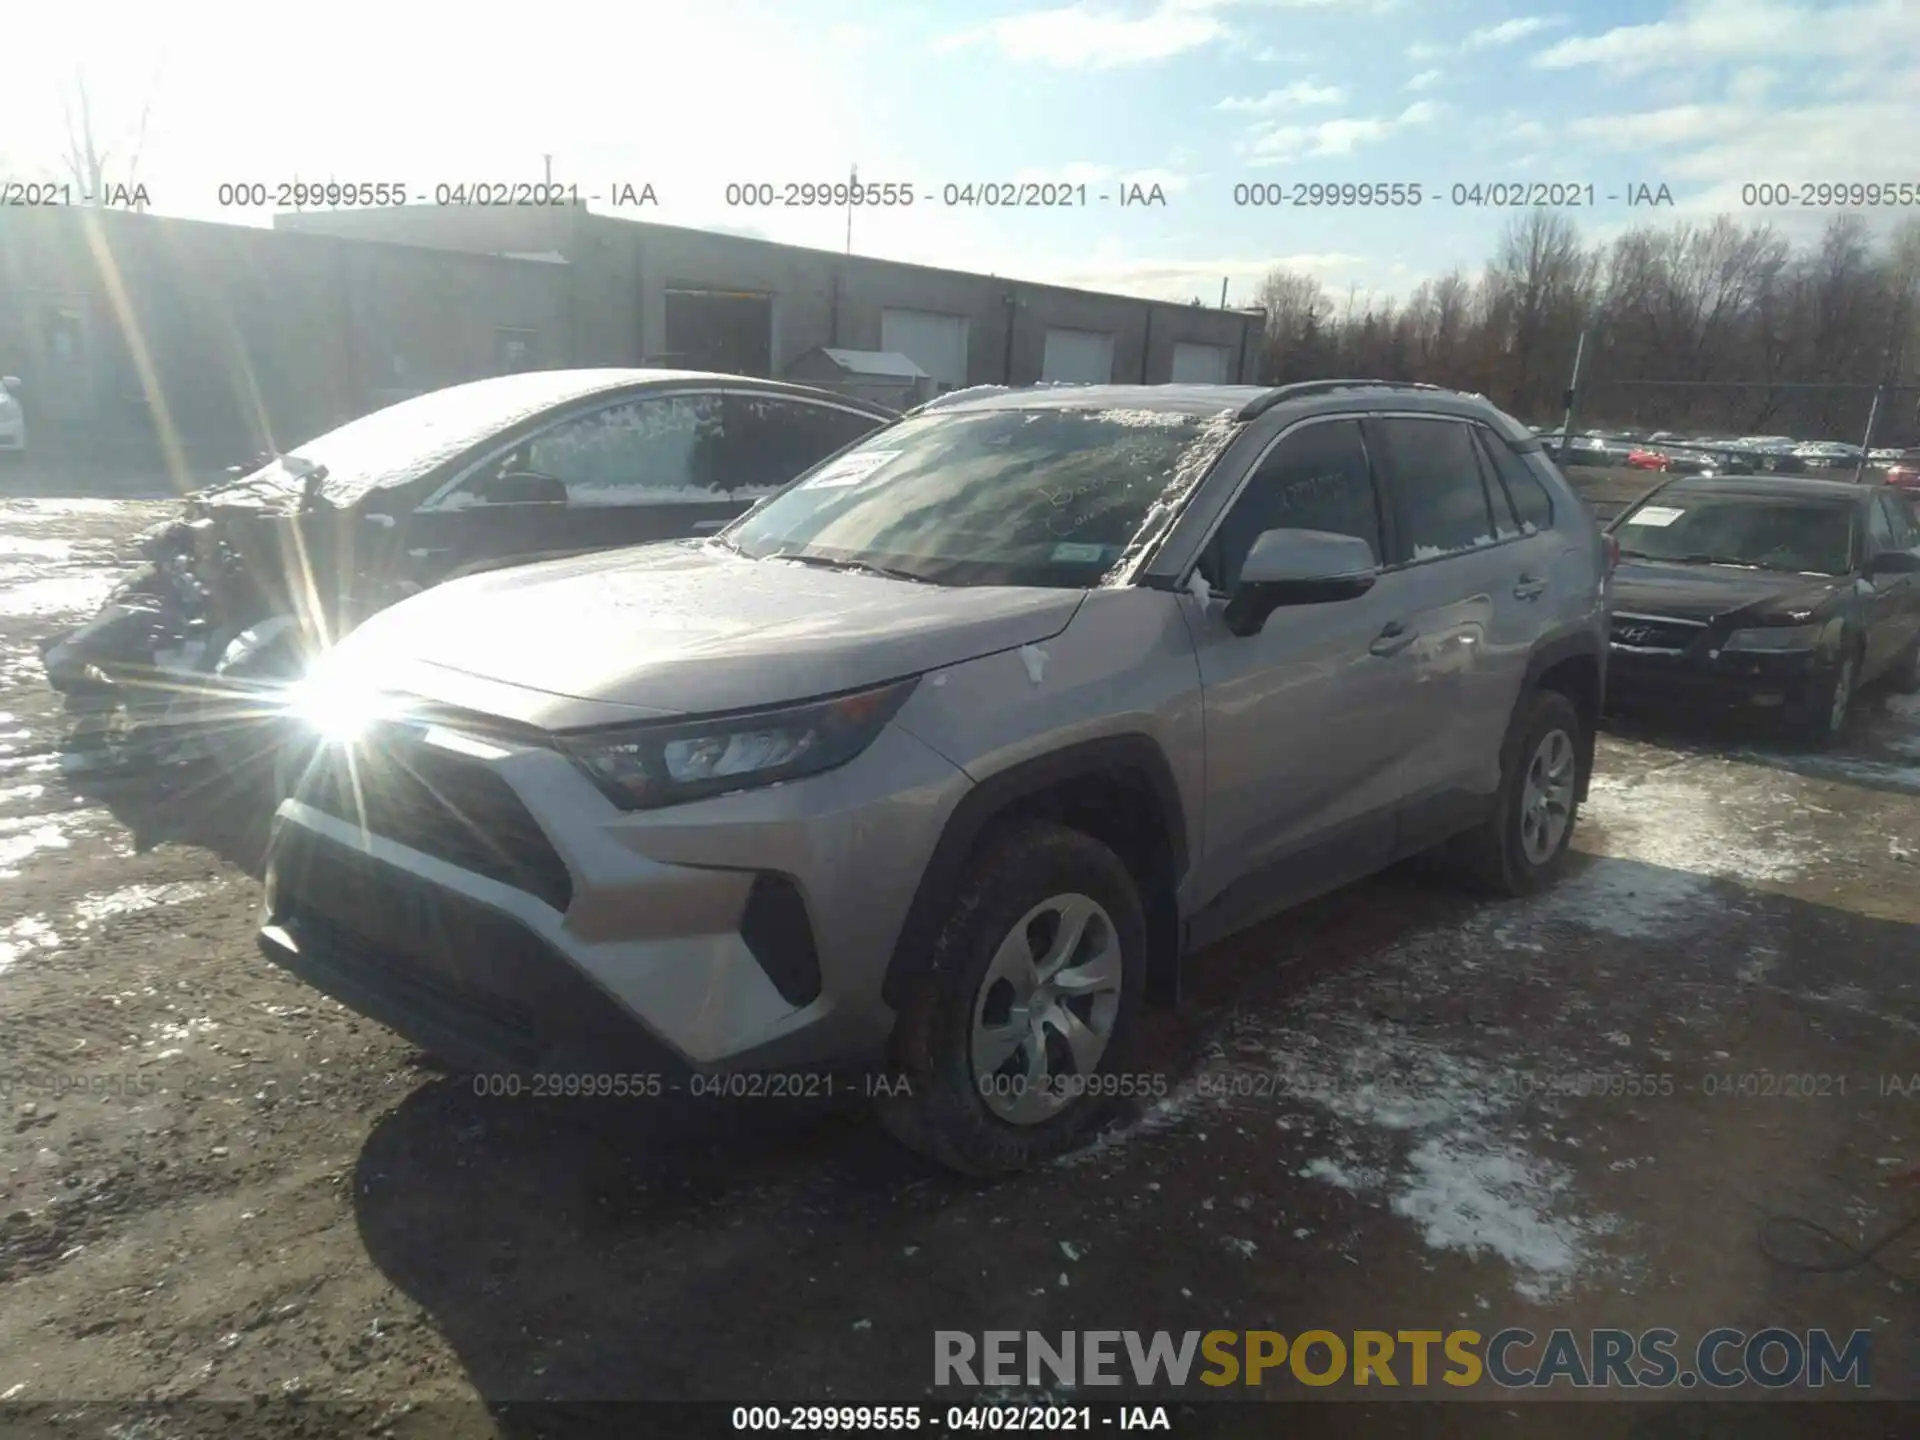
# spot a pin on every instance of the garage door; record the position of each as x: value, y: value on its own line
x: 1081, y: 357
x: 1199, y: 364
x: 936, y: 343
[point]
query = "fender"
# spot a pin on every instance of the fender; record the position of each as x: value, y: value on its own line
x: 1133, y: 755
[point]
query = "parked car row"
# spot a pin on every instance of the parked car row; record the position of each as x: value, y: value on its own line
x: 1672, y: 453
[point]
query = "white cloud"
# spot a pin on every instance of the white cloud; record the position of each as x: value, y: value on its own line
x: 1487, y: 37
x: 1508, y: 31
x: 1098, y: 37
x: 1107, y: 34
x: 1426, y: 80
x: 1278, y: 144
x: 1297, y: 96
x: 1705, y: 31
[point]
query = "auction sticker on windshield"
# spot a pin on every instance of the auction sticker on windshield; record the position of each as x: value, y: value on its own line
x: 1656, y: 515
x: 850, y: 470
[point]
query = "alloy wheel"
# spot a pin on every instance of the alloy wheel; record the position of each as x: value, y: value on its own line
x: 1546, y: 798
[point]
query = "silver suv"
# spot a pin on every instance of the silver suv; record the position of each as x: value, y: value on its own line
x: 936, y: 764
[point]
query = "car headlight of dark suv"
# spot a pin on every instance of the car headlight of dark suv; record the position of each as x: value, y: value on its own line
x: 1785, y: 638
x: 644, y: 767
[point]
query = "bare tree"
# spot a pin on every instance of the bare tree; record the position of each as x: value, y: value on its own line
x: 87, y: 164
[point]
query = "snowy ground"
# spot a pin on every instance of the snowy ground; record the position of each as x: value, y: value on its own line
x: 1397, y: 1108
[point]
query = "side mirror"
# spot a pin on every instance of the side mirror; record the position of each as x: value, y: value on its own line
x: 1894, y: 562
x: 523, y: 487
x: 1298, y: 567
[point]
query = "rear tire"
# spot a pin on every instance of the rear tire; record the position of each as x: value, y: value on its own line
x: 1042, y: 893
x: 1522, y: 847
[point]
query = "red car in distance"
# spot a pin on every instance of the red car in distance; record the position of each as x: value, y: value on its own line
x: 1905, y: 472
x: 1647, y: 460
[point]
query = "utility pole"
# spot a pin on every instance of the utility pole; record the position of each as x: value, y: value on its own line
x: 1223, y: 292
x: 853, y: 189
x: 1573, y: 395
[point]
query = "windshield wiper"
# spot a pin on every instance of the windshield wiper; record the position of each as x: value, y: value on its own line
x: 827, y: 562
x: 1700, y: 559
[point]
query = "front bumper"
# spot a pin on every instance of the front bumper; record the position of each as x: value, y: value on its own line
x: 493, y: 906
x: 1736, y: 683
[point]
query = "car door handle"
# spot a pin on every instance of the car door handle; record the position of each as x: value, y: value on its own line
x: 1392, y: 640
x: 1529, y: 587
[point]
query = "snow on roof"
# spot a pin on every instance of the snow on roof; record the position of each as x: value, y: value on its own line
x: 874, y: 362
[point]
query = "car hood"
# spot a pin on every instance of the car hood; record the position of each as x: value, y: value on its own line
x: 1708, y: 592
x: 680, y: 628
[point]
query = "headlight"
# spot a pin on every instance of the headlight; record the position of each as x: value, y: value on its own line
x: 1776, y: 637
x: 335, y: 703
x: 643, y: 767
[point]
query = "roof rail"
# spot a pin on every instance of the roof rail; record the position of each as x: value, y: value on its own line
x: 1300, y: 390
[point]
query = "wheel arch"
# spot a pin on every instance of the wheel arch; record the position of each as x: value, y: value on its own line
x: 1574, y: 666
x: 1119, y: 789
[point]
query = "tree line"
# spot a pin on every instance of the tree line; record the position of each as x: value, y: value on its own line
x: 1701, y: 302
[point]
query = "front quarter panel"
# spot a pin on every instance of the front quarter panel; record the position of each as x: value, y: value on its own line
x: 1124, y: 666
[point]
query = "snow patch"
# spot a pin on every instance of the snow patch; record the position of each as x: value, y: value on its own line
x: 28, y: 933
x: 1035, y: 659
x: 1198, y: 587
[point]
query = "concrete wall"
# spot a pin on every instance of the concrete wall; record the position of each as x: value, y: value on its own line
x: 236, y: 337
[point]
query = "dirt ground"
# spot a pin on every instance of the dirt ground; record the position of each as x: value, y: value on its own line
x: 1397, y: 1108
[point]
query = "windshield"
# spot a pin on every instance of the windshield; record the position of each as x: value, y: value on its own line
x: 1806, y: 536
x: 1052, y: 497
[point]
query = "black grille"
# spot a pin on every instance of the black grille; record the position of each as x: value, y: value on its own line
x: 442, y: 804
x: 1648, y: 634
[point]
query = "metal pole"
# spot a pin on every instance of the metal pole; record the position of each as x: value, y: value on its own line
x: 1573, y: 395
x: 1223, y: 292
x: 1866, y: 441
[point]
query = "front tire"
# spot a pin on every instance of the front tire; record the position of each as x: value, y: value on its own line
x: 1522, y: 847
x: 1030, y: 1000
x: 1828, y: 707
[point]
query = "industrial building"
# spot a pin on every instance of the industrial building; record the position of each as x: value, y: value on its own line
x: 126, y: 326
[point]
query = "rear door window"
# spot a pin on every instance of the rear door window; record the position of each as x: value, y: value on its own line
x: 1434, y: 478
x: 1532, y: 505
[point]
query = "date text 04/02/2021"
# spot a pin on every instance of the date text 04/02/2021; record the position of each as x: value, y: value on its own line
x: 948, y: 1420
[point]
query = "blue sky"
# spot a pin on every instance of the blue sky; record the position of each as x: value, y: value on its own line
x: 1195, y: 95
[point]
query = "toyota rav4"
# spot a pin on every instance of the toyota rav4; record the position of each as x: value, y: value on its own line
x: 936, y: 764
